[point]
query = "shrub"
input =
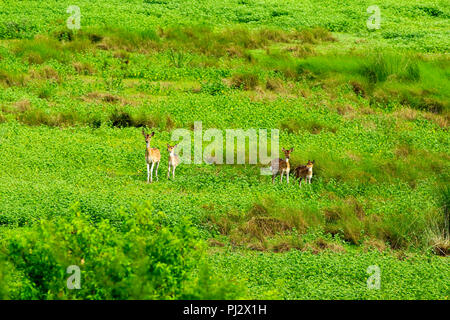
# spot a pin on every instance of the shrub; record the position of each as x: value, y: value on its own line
x: 213, y: 288
x: 3, y: 280
x: 145, y: 255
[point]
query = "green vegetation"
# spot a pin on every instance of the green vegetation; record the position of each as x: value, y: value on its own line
x: 370, y: 107
x: 295, y: 275
x: 145, y: 256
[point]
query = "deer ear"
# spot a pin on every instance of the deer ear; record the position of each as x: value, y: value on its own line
x: 168, y: 146
x: 175, y: 145
x: 292, y: 149
x: 143, y: 132
x: 153, y: 133
x: 283, y: 149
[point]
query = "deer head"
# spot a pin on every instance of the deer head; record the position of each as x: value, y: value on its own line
x: 287, y: 153
x: 147, y: 137
x: 171, y: 148
x: 310, y: 163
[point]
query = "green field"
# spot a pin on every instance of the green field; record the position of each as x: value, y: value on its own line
x: 371, y: 107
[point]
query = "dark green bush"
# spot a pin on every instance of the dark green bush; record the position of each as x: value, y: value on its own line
x: 145, y: 256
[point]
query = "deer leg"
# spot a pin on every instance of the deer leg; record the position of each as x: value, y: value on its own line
x: 281, y: 176
x: 168, y: 172
x: 151, y: 172
x: 273, y: 177
x: 287, y: 176
x: 173, y: 172
x: 157, y: 166
x: 148, y: 173
x: 300, y: 182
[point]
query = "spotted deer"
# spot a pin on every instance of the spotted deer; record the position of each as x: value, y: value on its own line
x: 282, y: 166
x: 304, y: 172
x: 152, y: 155
x: 174, y: 160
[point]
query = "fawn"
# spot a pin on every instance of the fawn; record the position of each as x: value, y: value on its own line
x: 152, y: 155
x: 174, y: 160
x: 282, y: 166
x: 305, y: 172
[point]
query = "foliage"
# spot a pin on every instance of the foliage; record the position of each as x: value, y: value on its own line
x: 370, y: 107
x: 144, y: 256
x: 328, y: 275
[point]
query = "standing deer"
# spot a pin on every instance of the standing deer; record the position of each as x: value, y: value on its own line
x: 174, y: 160
x: 305, y: 172
x: 152, y: 155
x: 282, y: 166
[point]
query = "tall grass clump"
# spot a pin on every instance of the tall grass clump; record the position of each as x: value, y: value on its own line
x: 203, y: 39
x: 129, y: 40
x: 235, y: 41
x: 314, y: 35
x: 11, y: 78
x: 245, y: 81
x: 40, y: 49
x: 385, y: 77
x: 438, y: 232
x: 378, y: 67
x: 280, y: 63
